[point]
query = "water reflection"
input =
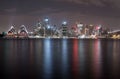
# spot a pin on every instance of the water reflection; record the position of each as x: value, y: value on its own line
x: 82, y: 57
x: 97, y: 59
x: 47, y: 59
x: 60, y: 58
x: 116, y: 54
x: 38, y: 51
x: 75, y: 59
x: 10, y: 56
x: 64, y: 58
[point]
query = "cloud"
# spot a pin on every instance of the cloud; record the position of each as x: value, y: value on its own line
x: 11, y: 10
x: 103, y: 8
x: 100, y: 3
x: 87, y: 2
x: 44, y: 11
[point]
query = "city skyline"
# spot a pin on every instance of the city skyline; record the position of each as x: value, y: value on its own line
x: 17, y: 13
x: 44, y: 29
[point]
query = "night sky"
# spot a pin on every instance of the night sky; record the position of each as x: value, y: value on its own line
x: 28, y: 12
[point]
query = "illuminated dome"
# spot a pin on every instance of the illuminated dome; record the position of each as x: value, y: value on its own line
x: 11, y: 30
x: 23, y: 31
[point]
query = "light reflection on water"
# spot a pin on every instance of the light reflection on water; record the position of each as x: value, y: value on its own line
x: 64, y: 58
x: 47, y: 59
x: 75, y: 59
x: 116, y: 59
x: 60, y: 58
x: 81, y: 56
x: 97, y: 59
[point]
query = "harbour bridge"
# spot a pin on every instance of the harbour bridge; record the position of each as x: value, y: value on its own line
x: 115, y: 32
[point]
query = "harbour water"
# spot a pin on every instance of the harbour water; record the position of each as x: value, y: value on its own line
x: 60, y: 58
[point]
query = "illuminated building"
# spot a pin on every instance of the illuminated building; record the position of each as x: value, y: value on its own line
x: 22, y: 32
x: 80, y: 28
x: 39, y: 29
x: 46, y: 29
x: 11, y: 32
x: 64, y: 29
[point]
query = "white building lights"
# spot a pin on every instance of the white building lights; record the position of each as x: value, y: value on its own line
x: 46, y: 19
x: 80, y: 25
x: 45, y: 29
x: 64, y: 23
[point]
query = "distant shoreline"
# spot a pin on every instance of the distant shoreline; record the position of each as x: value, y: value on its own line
x: 62, y: 38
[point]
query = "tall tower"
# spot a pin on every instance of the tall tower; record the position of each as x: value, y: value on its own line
x: 64, y: 29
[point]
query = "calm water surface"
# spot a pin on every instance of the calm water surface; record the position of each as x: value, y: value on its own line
x: 60, y: 59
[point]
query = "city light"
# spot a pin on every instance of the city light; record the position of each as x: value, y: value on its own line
x: 48, y: 26
x: 80, y: 30
x: 80, y: 25
x: 64, y: 23
x: 46, y: 20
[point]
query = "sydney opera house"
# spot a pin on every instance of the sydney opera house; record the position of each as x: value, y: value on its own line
x: 21, y: 33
